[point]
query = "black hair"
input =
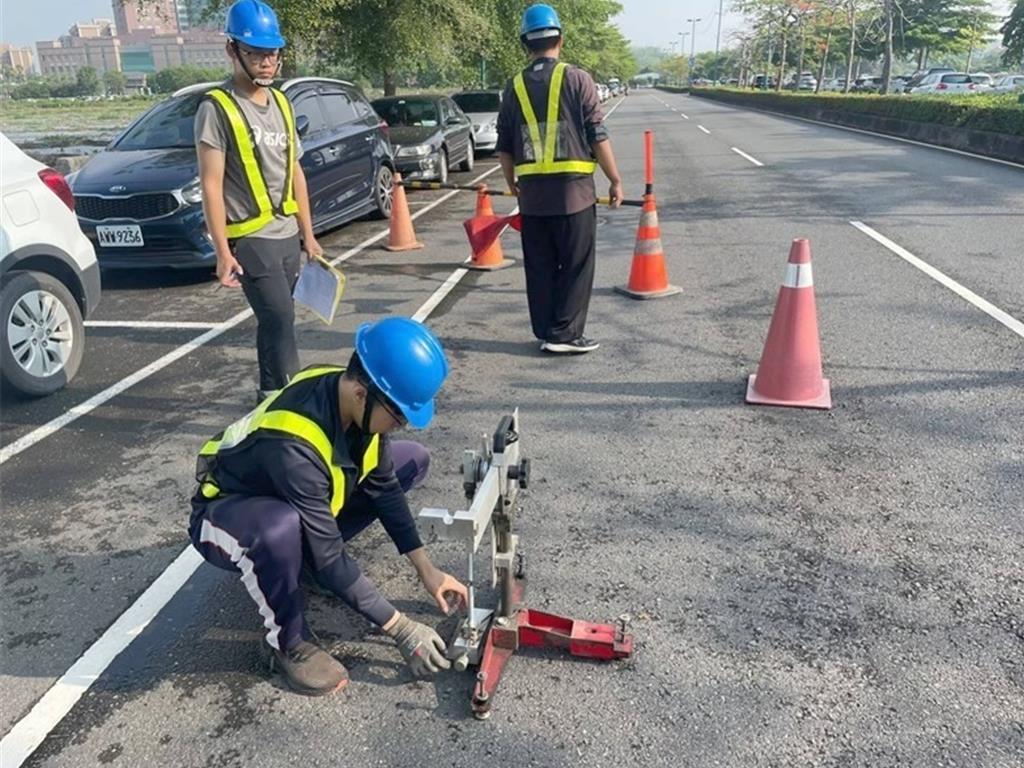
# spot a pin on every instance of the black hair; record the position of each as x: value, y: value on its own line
x: 541, y: 44
x: 355, y: 371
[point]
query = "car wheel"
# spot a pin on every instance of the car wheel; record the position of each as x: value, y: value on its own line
x: 442, y: 171
x: 43, y: 336
x: 470, y: 161
x: 383, y: 186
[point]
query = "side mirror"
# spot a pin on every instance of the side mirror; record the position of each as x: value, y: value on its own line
x: 453, y: 120
x: 302, y: 125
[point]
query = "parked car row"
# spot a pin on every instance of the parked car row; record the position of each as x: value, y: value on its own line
x: 937, y: 80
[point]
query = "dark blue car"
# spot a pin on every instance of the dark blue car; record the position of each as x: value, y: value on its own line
x: 140, y: 203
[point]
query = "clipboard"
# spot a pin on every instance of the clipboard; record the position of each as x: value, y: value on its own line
x: 320, y: 287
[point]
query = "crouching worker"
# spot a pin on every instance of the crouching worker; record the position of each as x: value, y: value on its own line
x: 284, y: 488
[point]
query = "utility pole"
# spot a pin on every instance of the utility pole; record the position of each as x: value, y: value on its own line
x: 693, y: 34
x: 718, y: 38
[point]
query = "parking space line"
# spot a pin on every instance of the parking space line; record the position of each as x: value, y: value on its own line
x: 743, y: 154
x: 988, y: 308
x: 156, y: 324
x: 40, y: 433
x: 704, y: 129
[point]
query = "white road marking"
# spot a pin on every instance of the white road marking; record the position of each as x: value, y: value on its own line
x: 880, y: 135
x: 76, y: 412
x: 156, y: 324
x: 988, y: 308
x: 703, y: 129
x: 743, y: 154
x: 29, y: 732
x: 684, y: 116
x: 619, y: 104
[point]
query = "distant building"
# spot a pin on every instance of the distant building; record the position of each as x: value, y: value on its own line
x: 190, y: 16
x: 87, y: 44
x: 15, y: 60
x: 160, y: 16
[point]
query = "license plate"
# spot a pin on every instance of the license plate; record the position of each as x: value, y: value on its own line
x: 121, y: 236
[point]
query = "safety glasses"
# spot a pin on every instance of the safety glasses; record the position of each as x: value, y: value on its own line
x: 258, y: 56
x: 393, y: 410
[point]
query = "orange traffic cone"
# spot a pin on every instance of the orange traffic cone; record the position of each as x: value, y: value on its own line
x: 790, y: 369
x: 402, y: 237
x: 489, y: 256
x: 648, y: 277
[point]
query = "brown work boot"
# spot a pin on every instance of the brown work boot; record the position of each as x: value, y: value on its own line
x: 310, y: 670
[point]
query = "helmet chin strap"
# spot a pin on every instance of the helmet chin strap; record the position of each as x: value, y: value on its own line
x: 263, y: 82
x: 371, y: 400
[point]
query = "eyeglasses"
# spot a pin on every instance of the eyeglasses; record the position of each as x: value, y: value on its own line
x: 258, y: 56
x: 393, y: 411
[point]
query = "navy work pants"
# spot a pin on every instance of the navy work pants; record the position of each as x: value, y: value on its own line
x: 260, y: 537
x: 558, y: 258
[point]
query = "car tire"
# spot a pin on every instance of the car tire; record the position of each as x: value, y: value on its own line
x: 25, y: 366
x: 467, y: 164
x: 442, y: 171
x: 383, y: 186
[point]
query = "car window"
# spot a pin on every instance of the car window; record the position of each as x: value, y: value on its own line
x: 412, y: 112
x: 362, y: 106
x: 338, y: 106
x: 170, y: 124
x: 956, y: 79
x: 930, y: 79
x: 307, y: 105
x: 478, y: 102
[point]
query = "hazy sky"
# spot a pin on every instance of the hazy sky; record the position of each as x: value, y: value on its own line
x: 645, y: 22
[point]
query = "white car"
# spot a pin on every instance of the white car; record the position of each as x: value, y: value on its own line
x: 1009, y: 83
x: 835, y: 84
x: 946, y: 83
x: 49, y: 277
x: 482, y: 108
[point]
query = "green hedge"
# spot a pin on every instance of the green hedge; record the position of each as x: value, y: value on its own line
x: 998, y: 113
x: 674, y: 88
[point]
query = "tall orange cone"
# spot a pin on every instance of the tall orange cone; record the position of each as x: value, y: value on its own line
x: 401, y: 237
x: 490, y: 257
x: 790, y: 369
x: 648, y: 276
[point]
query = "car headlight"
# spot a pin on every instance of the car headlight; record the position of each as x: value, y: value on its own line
x: 420, y: 150
x: 193, y: 193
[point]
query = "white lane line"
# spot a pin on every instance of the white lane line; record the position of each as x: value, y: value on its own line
x: 989, y: 309
x: 703, y: 129
x: 684, y: 116
x: 156, y: 324
x: 29, y: 732
x: 743, y: 154
x: 40, y: 433
x: 619, y: 104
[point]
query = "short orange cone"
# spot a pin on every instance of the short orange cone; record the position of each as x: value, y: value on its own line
x: 648, y: 277
x: 790, y: 369
x: 490, y: 256
x: 401, y: 237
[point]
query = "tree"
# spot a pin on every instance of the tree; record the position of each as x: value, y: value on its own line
x: 87, y: 82
x: 1013, y: 35
x: 115, y: 81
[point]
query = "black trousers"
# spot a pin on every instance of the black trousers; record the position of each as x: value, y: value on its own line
x: 270, y: 269
x: 558, y: 257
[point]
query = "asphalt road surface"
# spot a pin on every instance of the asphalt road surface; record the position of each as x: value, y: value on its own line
x: 806, y: 588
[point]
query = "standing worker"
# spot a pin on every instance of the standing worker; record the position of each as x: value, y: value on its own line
x: 254, y: 192
x: 283, y: 489
x: 551, y: 137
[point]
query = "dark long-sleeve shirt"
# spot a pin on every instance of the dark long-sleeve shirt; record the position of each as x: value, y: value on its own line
x: 275, y: 464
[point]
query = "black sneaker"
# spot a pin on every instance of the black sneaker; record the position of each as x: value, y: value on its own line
x: 574, y: 347
x: 310, y: 670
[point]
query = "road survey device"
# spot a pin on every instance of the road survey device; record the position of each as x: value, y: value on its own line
x: 492, y: 478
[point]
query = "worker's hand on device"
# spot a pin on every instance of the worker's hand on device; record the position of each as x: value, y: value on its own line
x: 420, y: 646
x: 449, y: 593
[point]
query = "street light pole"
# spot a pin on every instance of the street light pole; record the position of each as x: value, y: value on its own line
x: 718, y: 39
x: 693, y: 34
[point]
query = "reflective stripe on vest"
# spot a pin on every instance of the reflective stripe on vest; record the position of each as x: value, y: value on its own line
x: 296, y: 425
x: 546, y: 149
x: 239, y: 126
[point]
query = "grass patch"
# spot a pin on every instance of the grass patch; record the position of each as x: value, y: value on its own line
x: 998, y: 113
x: 70, y: 121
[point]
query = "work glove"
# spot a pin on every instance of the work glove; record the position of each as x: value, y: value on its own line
x: 420, y: 646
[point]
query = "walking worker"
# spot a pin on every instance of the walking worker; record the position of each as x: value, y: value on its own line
x: 254, y: 192
x: 283, y: 489
x: 551, y: 137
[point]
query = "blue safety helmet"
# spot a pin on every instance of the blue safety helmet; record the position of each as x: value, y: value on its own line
x: 255, y: 24
x: 407, y: 364
x: 539, y: 21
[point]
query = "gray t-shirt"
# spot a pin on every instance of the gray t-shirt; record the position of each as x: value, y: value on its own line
x: 270, y: 137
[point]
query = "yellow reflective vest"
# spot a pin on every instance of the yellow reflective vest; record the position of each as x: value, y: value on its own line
x: 543, y: 150
x: 242, y: 145
x: 266, y: 418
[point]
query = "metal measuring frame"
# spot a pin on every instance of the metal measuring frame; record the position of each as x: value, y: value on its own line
x: 487, y: 638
